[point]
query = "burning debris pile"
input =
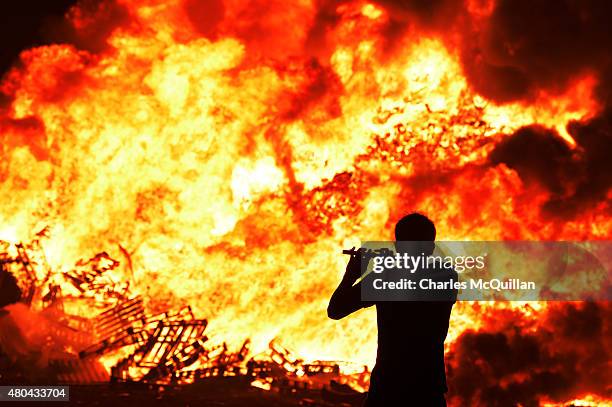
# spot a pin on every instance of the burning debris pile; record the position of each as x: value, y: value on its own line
x: 168, y: 348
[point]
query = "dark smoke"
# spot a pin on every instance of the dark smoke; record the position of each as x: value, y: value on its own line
x: 29, y: 23
x: 577, y: 179
x: 21, y: 26
x: 594, y: 173
x: 97, y: 20
x: 427, y: 14
x: 525, y: 46
x: 505, y: 365
x: 539, y: 154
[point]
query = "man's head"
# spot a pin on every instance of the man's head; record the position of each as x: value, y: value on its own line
x: 416, y: 228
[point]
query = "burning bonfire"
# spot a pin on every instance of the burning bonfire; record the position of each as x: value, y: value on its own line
x: 223, y: 153
x: 169, y: 348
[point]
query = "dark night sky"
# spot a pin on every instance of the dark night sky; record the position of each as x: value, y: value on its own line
x: 26, y: 23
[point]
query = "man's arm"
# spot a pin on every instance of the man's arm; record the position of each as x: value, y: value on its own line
x: 347, y: 297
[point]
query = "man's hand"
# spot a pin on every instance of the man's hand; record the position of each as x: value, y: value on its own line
x: 347, y: 297
x: 353, y: 268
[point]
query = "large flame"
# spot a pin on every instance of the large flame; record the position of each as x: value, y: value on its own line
x: 232, y: 169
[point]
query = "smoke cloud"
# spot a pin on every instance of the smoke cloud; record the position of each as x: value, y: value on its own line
x: 567, y: 354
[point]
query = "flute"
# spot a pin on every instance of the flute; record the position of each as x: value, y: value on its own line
x: 368, y: 252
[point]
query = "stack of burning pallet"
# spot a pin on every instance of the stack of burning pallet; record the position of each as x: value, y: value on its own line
x: 167, y: 348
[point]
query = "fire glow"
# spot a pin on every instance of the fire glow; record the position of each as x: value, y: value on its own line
x: 225, y: 162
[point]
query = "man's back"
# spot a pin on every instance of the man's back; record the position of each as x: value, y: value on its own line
x: 410, y: 356
x: 411, y: 333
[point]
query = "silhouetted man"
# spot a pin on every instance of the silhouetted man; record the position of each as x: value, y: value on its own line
x: 409, y: 367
